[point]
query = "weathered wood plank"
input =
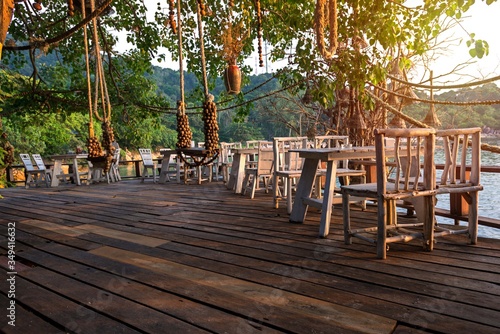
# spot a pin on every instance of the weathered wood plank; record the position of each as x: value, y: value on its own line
x: 59, y: 310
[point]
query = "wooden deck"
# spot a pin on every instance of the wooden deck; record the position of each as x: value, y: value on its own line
x: 148, y: 258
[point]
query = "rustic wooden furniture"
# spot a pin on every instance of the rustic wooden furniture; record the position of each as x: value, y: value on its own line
x: 344, y: 172
x: 263, y: 170
x: 34, y: 176
x: 461, y: 176
x: 288, y: 167
x: 40, y: 164
x: 114, y: 171
x: 225, y: 159
x: 148, y: 163
x: 241, y: 158
x: 401, y: 184
x: 73, y: 172
x: 193, y: 159
x: 305, y: 187
x: 96, y: 173
x: 170, y: 166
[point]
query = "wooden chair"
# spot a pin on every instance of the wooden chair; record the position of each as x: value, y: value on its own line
x: 114, y: 170
x: 148, y: 163
x: 41, y: 165
x: 461, y: 176
x: 225, y: 159
x: 263, y: 170
x: 35, y: 176
x: 344, y: 173
x: 398, y: 185
x: 252, y: 158
x: 288, y: 167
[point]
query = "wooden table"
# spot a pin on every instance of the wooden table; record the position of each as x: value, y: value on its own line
x: 200, y: 157
x: 303, y: 198
x: 73, y: 163
x: 165, y: 165
x: 238, y: 169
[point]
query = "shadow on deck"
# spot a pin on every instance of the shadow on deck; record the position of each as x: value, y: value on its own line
x: 148, y: 258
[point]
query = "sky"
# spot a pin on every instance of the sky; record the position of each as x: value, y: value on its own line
x: 484, y: 22
x: 481, y: 19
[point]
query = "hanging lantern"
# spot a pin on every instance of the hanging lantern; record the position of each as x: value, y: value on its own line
x: 232, y: 79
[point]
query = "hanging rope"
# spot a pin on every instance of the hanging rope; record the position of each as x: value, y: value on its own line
x: 394, y: 110
x: 184, y: 134
x: 466, y: 85
x: 96, y: 152
x: 323, y: 9
x: 468, y: 103
x: 209, y: 107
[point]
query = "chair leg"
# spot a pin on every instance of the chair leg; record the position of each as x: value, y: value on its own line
x: 144, y: 174
x: 346, y: 217
x: 382, y: 214
x: 276, y: 191
x: 245, y: 183
x: 29, y: 179
x: 473, y: 217
x: 429, y: 219
x: 289, y: 196
x: 255, y: 181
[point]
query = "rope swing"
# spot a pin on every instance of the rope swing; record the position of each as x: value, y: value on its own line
x: 321, y: 11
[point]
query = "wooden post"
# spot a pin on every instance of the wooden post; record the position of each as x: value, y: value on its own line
x: 458, y: 204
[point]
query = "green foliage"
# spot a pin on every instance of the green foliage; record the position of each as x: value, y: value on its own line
x: 466, y: 115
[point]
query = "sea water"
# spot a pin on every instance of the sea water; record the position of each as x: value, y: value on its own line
x: 489, y: 197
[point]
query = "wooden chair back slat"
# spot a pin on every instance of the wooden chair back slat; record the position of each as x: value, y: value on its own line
x: 28, y: 164
x: 462, y: 150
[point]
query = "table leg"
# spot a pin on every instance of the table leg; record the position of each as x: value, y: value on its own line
x: 164, y: 168
x: 178, y: 173
x: 326, y: 209
x: 57, y: 171
x: 234, y: 170
x: 76, y: 173
x: 304, y: 190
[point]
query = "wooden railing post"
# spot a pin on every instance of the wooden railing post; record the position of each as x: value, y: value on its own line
x: 458, y: 204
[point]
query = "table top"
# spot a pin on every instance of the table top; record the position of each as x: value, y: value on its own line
x: 248, y: 150
x: 336, y: 153
x: 68, y: 156
x: 193, y: 151
x: 166, y: 151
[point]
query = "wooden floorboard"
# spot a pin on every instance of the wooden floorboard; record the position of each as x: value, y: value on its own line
x: 133, y: 257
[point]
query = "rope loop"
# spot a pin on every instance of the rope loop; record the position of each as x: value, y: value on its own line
x: 322, y: 10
